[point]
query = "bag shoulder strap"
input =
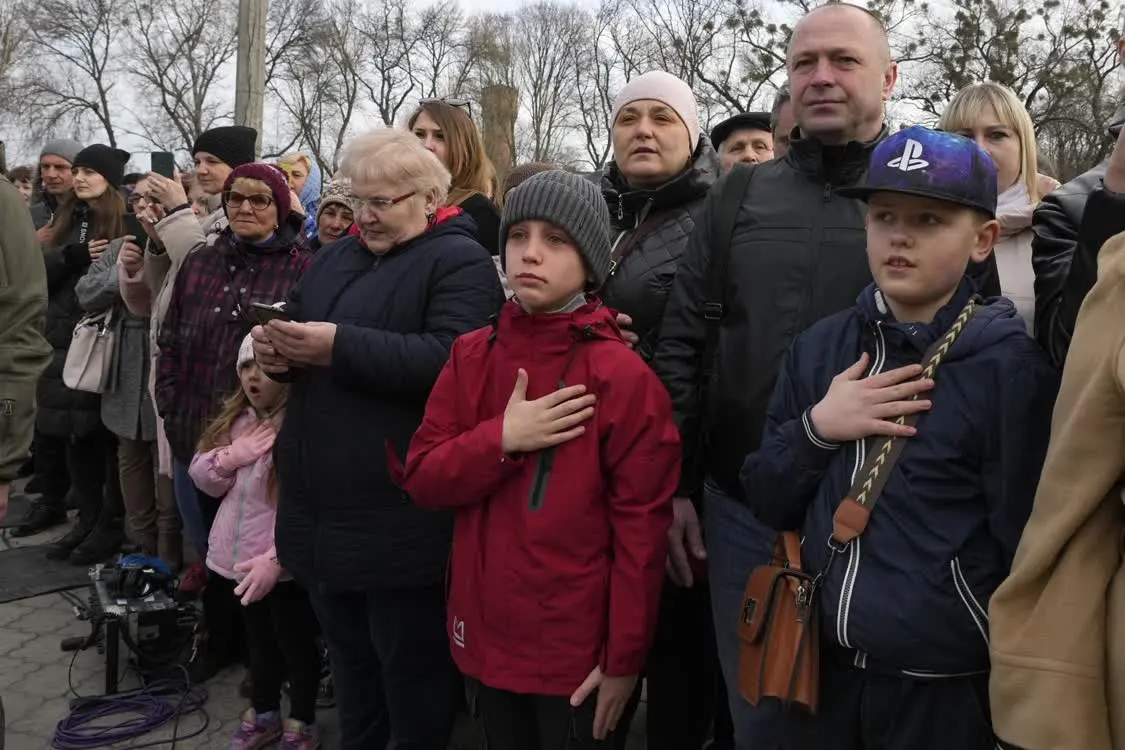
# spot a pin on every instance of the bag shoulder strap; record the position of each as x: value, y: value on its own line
x: 852, y: 515
x: 728, y: 204
x: 648, y: 222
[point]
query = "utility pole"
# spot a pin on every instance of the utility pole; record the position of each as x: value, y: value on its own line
x: 250, y: 73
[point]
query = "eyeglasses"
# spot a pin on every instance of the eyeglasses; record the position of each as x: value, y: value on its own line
x: 376, y: 204
x: 259, y: 202
x: 452, y: 101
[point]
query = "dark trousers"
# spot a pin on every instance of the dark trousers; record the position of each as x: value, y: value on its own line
x: 686, y: 695
x: 52, y: 477
x: 222, y: 620
x: 391, y: 665
x: 281, y: 639
x: 512, y: 721
x: 92, y: 462
x: 862, y: 710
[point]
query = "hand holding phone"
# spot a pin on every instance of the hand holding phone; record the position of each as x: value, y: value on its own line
x: 164, y: 164
x: 136, y: 228
x: 265, y: 313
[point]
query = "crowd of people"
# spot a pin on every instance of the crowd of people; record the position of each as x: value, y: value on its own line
x: 517, y: 448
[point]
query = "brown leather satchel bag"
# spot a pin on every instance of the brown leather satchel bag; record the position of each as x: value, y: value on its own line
x: 778, y: 629
x: 779, y: 633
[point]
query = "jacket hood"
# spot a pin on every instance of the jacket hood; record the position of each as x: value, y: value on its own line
x: 1116, y: 122
x: 310, y: 199
x: 993, y: 321
x: 310, y: 193
x: 694, y: 182
x: 557, y: 332
x: 839, y: 164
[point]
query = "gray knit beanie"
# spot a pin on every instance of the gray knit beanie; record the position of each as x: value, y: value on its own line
x: 62, y: 147
x: 573, y: 204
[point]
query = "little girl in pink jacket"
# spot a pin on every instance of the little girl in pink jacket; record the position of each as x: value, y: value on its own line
x: 234, y: 462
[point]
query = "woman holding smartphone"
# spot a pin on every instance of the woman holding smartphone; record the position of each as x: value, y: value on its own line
x: 151, y: 518
x: 258, y: 257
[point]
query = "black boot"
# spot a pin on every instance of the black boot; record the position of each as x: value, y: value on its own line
x: 61, y: 548
x: 100, y: 546
x: 41, y: 517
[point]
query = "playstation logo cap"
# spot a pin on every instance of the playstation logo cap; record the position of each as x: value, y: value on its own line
x: 931, y: 164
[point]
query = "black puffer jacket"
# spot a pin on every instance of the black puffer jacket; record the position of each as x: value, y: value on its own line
x: 342, y: 522
x: 63, y: 412
x: 639, y: 285
x: 1064, y: 258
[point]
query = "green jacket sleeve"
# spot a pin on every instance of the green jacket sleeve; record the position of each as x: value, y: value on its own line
x: 24, y: 352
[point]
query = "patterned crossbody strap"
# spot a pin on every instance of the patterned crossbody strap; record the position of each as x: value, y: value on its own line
x: 855, y: 511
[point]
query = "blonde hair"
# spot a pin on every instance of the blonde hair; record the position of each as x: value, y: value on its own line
x: 470, y: 168
x: 397, y: 157
x: 297, y: 157
x: 974, y: 101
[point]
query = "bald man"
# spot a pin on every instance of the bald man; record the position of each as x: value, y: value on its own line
x: 797, y: 253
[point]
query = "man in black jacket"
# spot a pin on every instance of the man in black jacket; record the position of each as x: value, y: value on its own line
x: 796, y: 254
x: 1064, y: 253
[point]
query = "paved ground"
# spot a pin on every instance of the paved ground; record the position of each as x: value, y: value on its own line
x: 36, y: 693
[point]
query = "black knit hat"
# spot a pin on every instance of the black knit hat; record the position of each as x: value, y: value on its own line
x: 573, y: 204
x: 107, y: 161
x: 234, y: 145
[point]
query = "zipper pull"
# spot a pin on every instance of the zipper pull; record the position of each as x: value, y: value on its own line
x: 827, y: 191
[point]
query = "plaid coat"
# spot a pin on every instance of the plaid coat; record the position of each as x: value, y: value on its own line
x: 208, y: 316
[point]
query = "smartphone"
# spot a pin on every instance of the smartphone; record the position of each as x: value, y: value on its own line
x: 265, y: 313
x: 164, y: 164
x: 134, y: 227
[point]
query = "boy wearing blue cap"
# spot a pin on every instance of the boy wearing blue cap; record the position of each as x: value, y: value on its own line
x: 935, y: 406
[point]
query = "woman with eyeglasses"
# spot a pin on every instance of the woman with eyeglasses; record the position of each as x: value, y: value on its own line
x: 445, y: 127
x: 369, y: 328
x: 174, y: 230
x: 258, y: 258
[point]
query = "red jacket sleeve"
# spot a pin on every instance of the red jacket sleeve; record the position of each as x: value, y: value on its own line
x: 450, y: 463
x: 641, y: 452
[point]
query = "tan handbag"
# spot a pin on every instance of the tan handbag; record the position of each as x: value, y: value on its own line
x: 779, y: 653
x: 778, y: 628
x: 90, y: 356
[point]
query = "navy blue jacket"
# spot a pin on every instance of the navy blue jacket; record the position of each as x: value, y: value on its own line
x: 342, y: 521
x: 911, y: 594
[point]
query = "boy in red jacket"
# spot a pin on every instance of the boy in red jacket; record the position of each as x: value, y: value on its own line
x: 555, y: 444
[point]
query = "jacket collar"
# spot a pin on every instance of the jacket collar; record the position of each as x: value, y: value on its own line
x: 286, y: 239
x: 837, y: 165
x: 626, y: 204
x: 552, y: 333
x: 873, y: 308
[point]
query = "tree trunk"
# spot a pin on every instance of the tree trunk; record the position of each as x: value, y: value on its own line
x: 499, y: 106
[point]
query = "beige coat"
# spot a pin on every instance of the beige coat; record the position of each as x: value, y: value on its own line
x: 150, y: 292
x: 1058, y: 622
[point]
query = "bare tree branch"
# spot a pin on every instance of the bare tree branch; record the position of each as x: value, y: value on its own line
x: 183, y: 49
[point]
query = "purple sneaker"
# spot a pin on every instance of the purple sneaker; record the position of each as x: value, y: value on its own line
x: 299, y: 736
x: 256, y: 732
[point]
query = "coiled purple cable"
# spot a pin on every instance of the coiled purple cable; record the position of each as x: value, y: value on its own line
x: 104, y: 721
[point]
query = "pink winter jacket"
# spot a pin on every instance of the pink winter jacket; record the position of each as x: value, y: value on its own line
x: 243, y: 527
